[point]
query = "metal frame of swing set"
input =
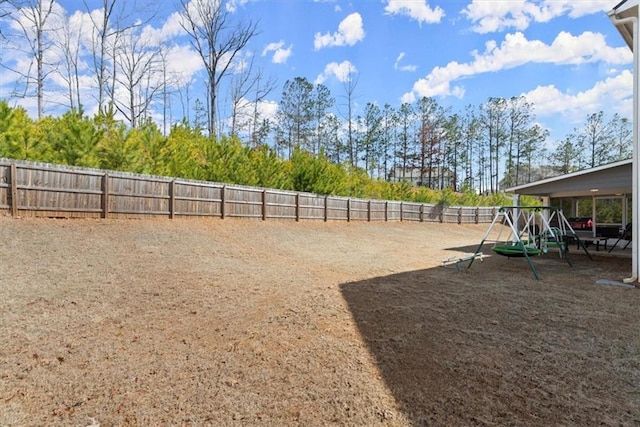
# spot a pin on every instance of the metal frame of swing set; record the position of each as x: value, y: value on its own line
x: 526, y: 242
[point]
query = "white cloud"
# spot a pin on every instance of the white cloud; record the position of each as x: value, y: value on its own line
x: 170, y: 29
x: 415, y: 9
x: 267, y: 109
x: 280, y: 54
x: 183, y: 63
x: 490, y: 15
x: 515, y: 51
x: 336, y: 6
x: 614, y: 91
x: 397, y: 66
x: 340, y: 71
x: 350, y: 31
x: 408, y: 98
x: 233, y: 5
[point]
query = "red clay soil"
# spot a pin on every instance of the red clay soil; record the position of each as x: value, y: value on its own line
x: 240, y: 323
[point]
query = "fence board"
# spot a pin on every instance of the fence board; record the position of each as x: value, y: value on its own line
x: 338, y: 208
x: 311, y: 206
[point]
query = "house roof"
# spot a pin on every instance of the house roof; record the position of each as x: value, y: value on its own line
x: 625, y: 9
x: 606, y: 180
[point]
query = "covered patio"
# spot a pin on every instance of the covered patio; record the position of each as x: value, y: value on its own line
x: 602, y: 195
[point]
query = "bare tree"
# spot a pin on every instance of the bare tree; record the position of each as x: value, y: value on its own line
x: 137, y: 75
x: 108, y: 26
x: 248, y: 81
x: 68, y: 42
x: 169, y: 80
x: 32, y: 17
x: 261, y: 92
x: 218, y: 40
x: 3, y: 13
x: 99, y: 45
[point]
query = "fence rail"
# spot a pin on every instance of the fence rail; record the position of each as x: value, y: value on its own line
x: 42, y: 189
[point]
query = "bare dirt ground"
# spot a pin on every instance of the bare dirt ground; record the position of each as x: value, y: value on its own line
x: 236, y: 322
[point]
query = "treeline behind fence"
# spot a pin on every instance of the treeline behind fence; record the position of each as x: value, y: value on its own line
x: 47, y: 190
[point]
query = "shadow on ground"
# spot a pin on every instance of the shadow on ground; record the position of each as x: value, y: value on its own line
x: 491, y: 345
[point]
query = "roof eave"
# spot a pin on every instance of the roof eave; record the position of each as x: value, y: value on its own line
x: 624, y: 9
x: 566, y: 176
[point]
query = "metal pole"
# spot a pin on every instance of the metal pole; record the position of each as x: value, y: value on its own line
x: 636, y: 137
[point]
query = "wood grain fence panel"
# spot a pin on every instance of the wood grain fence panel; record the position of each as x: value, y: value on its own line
x: 468, y: 214
x: 359, y: 210
x: 52, y: 192
x: 431, y: 213
x: 449, y: 214
x: 243, y: 202
x: 337, y: 208
x: 5, y: 186
x: 378, y: 210
x: 411, y: 211
x: 393, y: 211
x: 197, y: 199
x: 311, y: 206
x: 136, y: 195
x: 486, y: 214
x: 281, y: 205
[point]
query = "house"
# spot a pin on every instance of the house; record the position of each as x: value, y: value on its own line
x: 439, y: 177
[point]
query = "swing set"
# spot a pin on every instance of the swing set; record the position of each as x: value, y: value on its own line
x: 530, y: 234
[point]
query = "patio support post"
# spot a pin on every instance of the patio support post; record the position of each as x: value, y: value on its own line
x: 634, y: 44
x: 636, y: 138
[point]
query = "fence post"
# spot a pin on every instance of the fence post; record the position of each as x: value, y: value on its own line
x: 223, y: 196
x: 477, y: 217
x: 105, y: 195
x: 348, y: 210
x: 442, y: 208
x: 14, y: 190
x: 460, y: 215
x: 297, y: 206
x: 386, y: 211
x: 326, y: 209
x: 401, y: 212
x: 172, y: 199
x: 422, y: 212
x: 264, y: 205
x: 369, y: 211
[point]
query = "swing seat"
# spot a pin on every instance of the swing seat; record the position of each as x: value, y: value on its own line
x: 514, y: 251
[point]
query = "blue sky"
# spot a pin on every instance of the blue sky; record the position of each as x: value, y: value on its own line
x: 565, y: 56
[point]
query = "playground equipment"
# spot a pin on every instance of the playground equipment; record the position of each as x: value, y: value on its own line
x: 627, y: 234
x: 456, y: 261
x: 530, y: 234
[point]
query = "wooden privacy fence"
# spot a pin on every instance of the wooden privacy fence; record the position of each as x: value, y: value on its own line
x: 41, y: 189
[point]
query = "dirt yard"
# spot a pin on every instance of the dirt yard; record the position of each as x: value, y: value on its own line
x: 241, y: 323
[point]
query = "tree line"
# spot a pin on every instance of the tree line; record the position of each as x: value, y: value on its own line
x: 124, y: 68
x: 104, y: 142
x: 489, y: 147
